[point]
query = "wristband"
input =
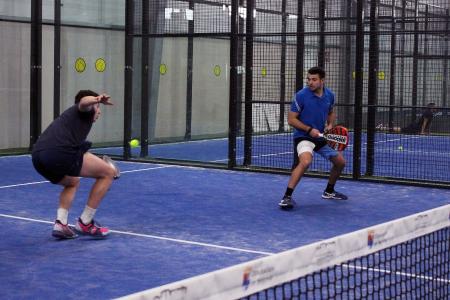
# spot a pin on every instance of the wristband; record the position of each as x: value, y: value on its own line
x: 309, y: 130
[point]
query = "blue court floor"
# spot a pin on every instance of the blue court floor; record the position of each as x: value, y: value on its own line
x: 172, y: 222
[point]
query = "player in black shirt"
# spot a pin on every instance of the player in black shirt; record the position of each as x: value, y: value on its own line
x: 422, y: 126
x: 61, y: 156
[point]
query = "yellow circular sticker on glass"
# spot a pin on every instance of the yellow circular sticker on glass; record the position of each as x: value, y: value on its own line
x: 100, y: 65
x: 264, y: 72
x: 217, y: 70
x: 162, y: 69
x: 80, y: 65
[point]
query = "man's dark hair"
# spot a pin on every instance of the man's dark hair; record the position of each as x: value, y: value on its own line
x: 317, y: 70
x: 84, y: 93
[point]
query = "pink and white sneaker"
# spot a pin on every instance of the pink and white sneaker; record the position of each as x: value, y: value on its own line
x: 61, y: 231
x: 93, y: 229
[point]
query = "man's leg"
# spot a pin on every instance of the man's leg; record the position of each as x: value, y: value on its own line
x: 95, y: 167
x: 70, y: 186
x: 338, y: 165
x: 61, y: 229
x: 305, y: 155
x: 305, y: 160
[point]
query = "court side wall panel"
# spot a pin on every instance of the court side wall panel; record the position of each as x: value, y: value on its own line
x: 47, y: 75
x: 171, y: 102
x: 210, y: 98
x: 90, y: 45
x: 14, y: 85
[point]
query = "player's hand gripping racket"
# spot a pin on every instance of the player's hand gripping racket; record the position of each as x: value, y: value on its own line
x: 109, y: 161
x: 337, y: 137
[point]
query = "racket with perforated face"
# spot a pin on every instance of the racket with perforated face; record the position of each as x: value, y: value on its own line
x: 337, y: 137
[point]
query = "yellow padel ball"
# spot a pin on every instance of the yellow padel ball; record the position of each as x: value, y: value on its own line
x: 134, y: 143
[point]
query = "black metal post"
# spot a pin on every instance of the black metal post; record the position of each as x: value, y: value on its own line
x: 359, y: 85
x: 128, y: 88
x: 248, y: 84
x: 240, y: 62
x: 321, y: 50
x: 35, y: 72
x: 425, y: 60
x: 372, y: 89
x: 300, y: 50
x: 232, y: 119
x: 415, y: 79
x: 57, y: 61
x: 145, y: 77
x: 300, y: 54
x: 392, y: 79
x: 446, y: 81
x: 190, y: 65
x: 283, y: 66
x: 347, y: 76
x: 402, y: 52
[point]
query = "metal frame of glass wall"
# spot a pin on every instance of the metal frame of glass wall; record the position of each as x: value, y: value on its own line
x: 411, y: 29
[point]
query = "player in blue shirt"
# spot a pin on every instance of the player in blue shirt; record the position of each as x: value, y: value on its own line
x: 312, y: 113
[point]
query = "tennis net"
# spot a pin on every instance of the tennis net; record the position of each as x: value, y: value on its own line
x: 408, y: 258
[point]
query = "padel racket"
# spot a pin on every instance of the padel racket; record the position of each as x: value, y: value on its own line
x: 109, y: 161
x: 337, y: 137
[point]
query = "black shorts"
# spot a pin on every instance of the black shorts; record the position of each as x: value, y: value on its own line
x: 54, y: 164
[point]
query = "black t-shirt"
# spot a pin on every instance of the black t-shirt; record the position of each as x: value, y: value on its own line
x: 69, y: 131
x: 427, y: 114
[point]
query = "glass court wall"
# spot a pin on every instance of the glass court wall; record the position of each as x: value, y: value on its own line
x: 210, y: 82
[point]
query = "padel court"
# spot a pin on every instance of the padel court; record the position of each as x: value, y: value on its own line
x: 204, y: 88
x: 171, y: 223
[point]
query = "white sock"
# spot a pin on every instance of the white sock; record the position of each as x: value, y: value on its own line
x: 62, y: 215
x: 87, y: 215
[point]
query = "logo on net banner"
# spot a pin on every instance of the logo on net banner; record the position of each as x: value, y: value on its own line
x: 246, y: 277
x: 324, y: 252
x: 379, y: 237
x: 422, y: 221
x: 370, y: 238
x: 257, y: 275
x: 175, y: 293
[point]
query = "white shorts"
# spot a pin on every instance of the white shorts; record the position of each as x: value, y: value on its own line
x: 305, y: 146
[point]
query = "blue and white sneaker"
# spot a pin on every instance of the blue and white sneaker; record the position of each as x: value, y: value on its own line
x: 287, y: 203
x: 61, y: 231
x: 334, y: 196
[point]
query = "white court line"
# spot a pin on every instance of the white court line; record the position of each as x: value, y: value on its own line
x: 147, y: 169
x: 153, y: 237
x: 397, y: 273
x: 39, y: 182
x: 22, y: 184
